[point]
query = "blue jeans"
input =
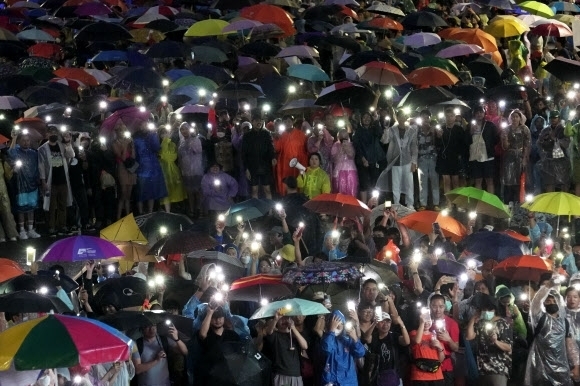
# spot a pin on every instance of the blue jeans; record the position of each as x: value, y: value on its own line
x: 428, y: 174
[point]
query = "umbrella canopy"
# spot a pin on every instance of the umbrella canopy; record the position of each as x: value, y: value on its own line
x: 168, y: 49
x: 241, y: 365
x: 432, y: 76
x: 122, y: 292
x: 423, y: 222
x: 567, y: 70
x: 564, y: 6
x: 426, y: 97
x: 79, y: 248
x: 558, y: 203
x: 182, y: 242
x: 382, y: 23
x: 523, y: 267
x: 506, y: 27
x: 322, y: 273
x: 9, y: 269
x: 299, y: 106
x: 476, y: 36
x: 103, y: 32
x: 551, y: 28
x: 150, y: 224
x: 381, y: 73
x: 34, y: 34
x: 346, y: 93
x: 207, y: 54
x: 216, y: 258
x: 9, y: 102
x: 308, y: 72
x: 267, y: 13
x: 536, y: 8
x: 209, y: 27
x: 291, y: 307
x: 26, y: 301
x: 255, y: 71
x: 132, y: 117
x: 494, y: 245
x: 423, y: 19
x: 133, y: 253
x: 421, y: 39
x: 196, y: 81
x: 247, y: 210
x: 478, y: 200
x: 76, y: 74
x: 460, y: 50
x: 257, y: 287
x: 56, y: 341
x: 384, y: 9
x: 298, y: 51
x: 337, y: 204
x: 125, y: 229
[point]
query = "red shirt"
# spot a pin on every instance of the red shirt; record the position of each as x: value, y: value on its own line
x: 453, y: 329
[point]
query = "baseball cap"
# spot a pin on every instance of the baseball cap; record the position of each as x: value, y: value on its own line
x: 385, y: 316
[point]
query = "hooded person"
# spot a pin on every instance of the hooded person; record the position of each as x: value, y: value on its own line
x: 508, y: 311
x: 341, y: 346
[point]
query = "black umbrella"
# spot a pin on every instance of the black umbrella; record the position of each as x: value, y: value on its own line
x: 26, y: 301
x: 235, y: 90
x: 322, y: 13
x: 423, y: 19
x: 276, y: 87
x: 137, y: 77
x: 103, y: 32
x: 16, y: 83
x: 168, y: 49
x: 260, y: 49
x: 66, y: 12
x: 40, y: 95
x: 182, y: 242
x: 344, y: 42
x: 468, y: 92
x: 73, y: 96
x: 502, y: 4
x: 46, y: 279
x: 161, y: 25
x: 176, y: 34
x: 218, y: 74
x: 426, y: 97
x: 511, y: 92
x: 319, y: 25
x: 53, y: 4
x: 150, y: 224
x: 567, y: 70
x: 353, y: 95
x: 122, y: 292
x: 486, y: 68
x: 128, y: 320
x: 240, y: 365
x: 364, y: 57
x: 12, y: 50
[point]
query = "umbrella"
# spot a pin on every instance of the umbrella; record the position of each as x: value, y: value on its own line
x: 493, y: 245
x: 100, y: 76
x: 139, y: 77
x: 423, y: 222
x: 298, y: 51
x: 361, y: 58
x: 123, y: 292
x: 34, y: 34
x: 182, y: 242
x: 486, y: 68
x: 196, y: 81
x: 9, y: 269
x: 454, y: 102
x: 150, y: 224
x: 450, y: 267
x: 260, y: 49
x: 299, y: 106
x: 56, y: 341
x: 209, y: 27
x: 257, y: 287
x: 247, y: 210
x: 432, y: 76
x: 443, y: 63
x: 308, y: 72
x: 337, y: 204
x: 558, y: 203
x: 426, y: 97
x: 103, y: 32
x: 92, y: 9
x: 530, y: 19
x: 9, y: 102
x: 125, y: 229
x: 255, y: 71
x: 216, y: 258
x: 206, y: 54
x: 508, y: 27
x: 26, y: 301
x: 423, y: 19
x: 234, y: 90
x: 129, y: 320
x: 460, y: 50
x: 564, y: 6
x: 7, y: 35
x: 567, y: 70
x: 77, y: 74
x: 551, y: 28
x: 511, y: 92
x: 41, y: 95
x: 132, y: 117
x: 476, y: 36
x: 483, y: 301
x: 168, y: 49
x: 523, y: 267
x: 240, y: 25
x: 193, y: 109
x: 161, y: 25
x: 384, y: 9
x: 515, y: 235
x: 322, y: 273
x: 536, y: 8
x: 345, y: 92
x: 241, y: 365
x: 421, y: 39
x: 267, y: 13
x: 47, y: 50
x: 177, y: 73
x: 78, y: 248
x: 291, y: 307
x: 478, y: 200
x: 381, y: 73
x: 381, y: 23
x: 133, y: 253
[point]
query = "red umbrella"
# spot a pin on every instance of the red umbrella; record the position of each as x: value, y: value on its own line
x: 47, y: 50
x: 385, y: 23
x: 337, y: 204
x: 552, y: 28
x: 381, y: 73
x: 257, y: 287
x: 73, y: 84
x: 77, y: 74
x: 524, y: 267
x: 515, y: 235
x: 348, y: 12
x: 10, y: 269
x: 267, y: 13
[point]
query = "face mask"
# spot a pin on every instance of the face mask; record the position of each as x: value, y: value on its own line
x: 337, y: 332
x: 44, y: 380
x: 552, y: 308
x: 448, y: 305
x: 576, y: 256
x: 53, y: 138
x: 245, y: 259
x: 487, y: 315
x: 380, y: 242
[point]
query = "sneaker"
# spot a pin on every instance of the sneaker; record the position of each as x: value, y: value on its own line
x: 13, y: 239
x: 33, y: 235
x: 52, y: 233
x: 421, y: 208
x: 22, y: 235
x: 62, y: 231
x: 436, y: 208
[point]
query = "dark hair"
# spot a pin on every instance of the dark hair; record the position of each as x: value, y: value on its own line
x: 364, y: 306
x: 477, y: 109
x: 425, y: 112
x: 436, y: 297
x: 570, y: 289
x: 369, y: 281
x: 380, y: 228
x: 208, y: 293
x: 478, y: 283
x: 317, y: 155
x: 172, y: 304
x: 321, y: 256
x: 267, y: 258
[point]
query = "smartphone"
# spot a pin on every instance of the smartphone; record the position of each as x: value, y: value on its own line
x: 436, y: 228
x: 299, y: 231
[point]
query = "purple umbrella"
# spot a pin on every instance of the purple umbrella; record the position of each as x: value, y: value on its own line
x: 92, y: 9
x: 460, y: 50
x: 421, y: 39
x: 241, y: 25
x: 78, y: 248
x: 246, y: 60
x: 132, y: 117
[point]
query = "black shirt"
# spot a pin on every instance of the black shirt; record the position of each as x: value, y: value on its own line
x: 284, y: 360
x: 57, y: 161
x: 212, y: 344
x: 385, y: 349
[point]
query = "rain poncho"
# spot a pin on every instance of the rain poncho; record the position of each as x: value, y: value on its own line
x: 27, y: 177
x: 518, y: 324
x: 171, y: 173
x: 573, y: 317
x: 340, y: 352
x: 548, y: 359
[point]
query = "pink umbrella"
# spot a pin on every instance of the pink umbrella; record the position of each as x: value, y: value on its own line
x: 193, y: 109
x: 460, y: 50
x: 241, y: 25
x: 92, y: 9
x: 132, y: 117
x: 299, y: 51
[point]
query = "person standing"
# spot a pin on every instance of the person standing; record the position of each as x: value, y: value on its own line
x: 555, y: 163
x: 53, y: 159
x: 314, y: 180
x: 516, y: 143
x: 258, y: 156
x: 482, y: 138
x: 124, y: 151
x: 171, y: 173
x: 292, y: 144
x: 345, y: 176
x: 450, y: 145
x: 190, y: 160
x: 426, y: 161
x: 369, y: 153
x: 150, y: 180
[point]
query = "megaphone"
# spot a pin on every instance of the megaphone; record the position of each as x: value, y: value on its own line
x: 295, y: 164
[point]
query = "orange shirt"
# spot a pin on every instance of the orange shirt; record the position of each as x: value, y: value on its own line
x: 424, y: 351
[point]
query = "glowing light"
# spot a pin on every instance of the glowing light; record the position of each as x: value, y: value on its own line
x: 163, y: 230
x: 291, y: 89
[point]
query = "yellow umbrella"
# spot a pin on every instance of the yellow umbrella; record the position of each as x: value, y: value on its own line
x: 134, y: 253
x: 126, y: 229
x: 210, y: 27
x: 537, y: 8
x: 145, y: 35
x: 558, y: 203
x: 566, y: 19
x: 506, y: 27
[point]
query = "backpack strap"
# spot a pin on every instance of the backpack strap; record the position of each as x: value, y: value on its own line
x: 140, y: 345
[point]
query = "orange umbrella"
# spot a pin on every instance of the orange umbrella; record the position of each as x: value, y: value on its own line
x: 267, y: 13
x: 76, y: 74
x: 348, y: 12
x: 432, y: 76
x: 524, y: 267
x: 448, y: 32
x: 385, y: 23
x: 3, y: 139
x: 9, y: 269
x: 381, y: 73
x: 475, y: 36
x: 422, y: 222
x: 515, y: 235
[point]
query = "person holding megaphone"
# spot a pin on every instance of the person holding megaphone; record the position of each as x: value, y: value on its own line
x: 312, y: 180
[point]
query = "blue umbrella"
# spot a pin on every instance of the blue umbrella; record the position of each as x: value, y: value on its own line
x: 110, y: 56
x: 290, y: 307
x: 189, y: 91
x: 247, y: 210
x: 78, y: 248
x: 177, y: 73
x: 494, y: 245
x: 308, y: 72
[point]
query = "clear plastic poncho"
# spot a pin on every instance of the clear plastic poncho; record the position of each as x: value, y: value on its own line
x: 548, y: 359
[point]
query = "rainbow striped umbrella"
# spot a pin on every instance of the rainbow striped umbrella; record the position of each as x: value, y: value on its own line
x: 55, y: 341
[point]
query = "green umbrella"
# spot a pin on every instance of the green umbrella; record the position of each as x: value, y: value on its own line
x: 197, y: 81
x: 38, y: 73
x: 208, y: 54
x: 479, y: 201
x: 443, y: 63
x: 290, y: 307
